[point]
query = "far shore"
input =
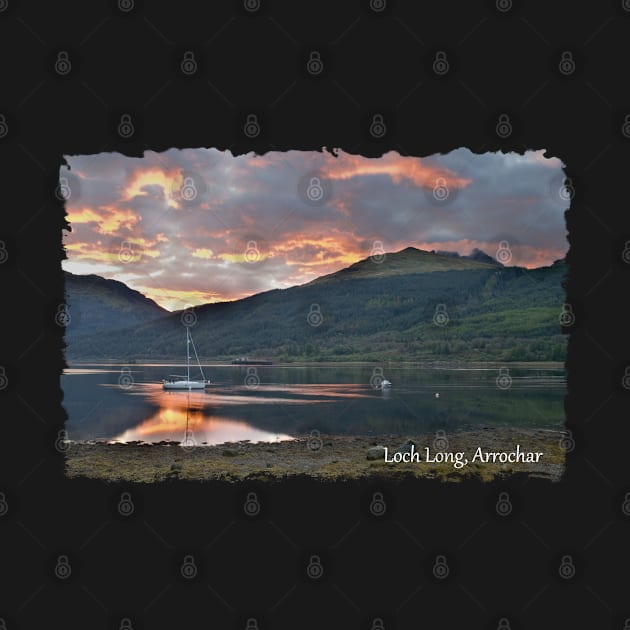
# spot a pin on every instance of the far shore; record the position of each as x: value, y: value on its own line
x: 402, y: 364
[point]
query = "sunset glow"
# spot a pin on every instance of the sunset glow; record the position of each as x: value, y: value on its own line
x: 187, y: 227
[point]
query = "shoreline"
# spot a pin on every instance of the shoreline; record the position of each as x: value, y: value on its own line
x: 393, y: 364
x: 322, y: 457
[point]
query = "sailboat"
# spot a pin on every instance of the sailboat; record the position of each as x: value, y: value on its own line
x: 177, y: 381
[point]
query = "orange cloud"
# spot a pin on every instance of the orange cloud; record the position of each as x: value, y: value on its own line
x: 169, y: 180
x: 108, y: 219
x: 346, y: 166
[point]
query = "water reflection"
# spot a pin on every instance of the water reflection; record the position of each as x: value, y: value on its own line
x: 188, y: 417
x: 288, y: 402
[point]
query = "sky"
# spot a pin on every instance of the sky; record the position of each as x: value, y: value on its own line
x: 192, y: 226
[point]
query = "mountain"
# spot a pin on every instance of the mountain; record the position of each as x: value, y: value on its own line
x: 408, y: 260
x: 97, y: 305
x: 408, y: 305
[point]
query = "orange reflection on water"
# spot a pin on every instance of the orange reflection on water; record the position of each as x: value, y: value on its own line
x: 189, y: 415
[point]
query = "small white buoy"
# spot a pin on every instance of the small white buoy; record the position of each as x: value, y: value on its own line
x: 437, y: 395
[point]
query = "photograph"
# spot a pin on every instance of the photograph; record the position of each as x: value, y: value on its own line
x: 319, y: 313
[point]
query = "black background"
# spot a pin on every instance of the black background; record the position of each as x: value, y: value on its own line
x: 128, y: 62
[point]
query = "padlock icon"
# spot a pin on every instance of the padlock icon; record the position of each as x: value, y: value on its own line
x: 504, y: 380
x: 125, y: 505
x: 251, y: 624
x: 377, y: 127
x: 251, y: 5
x: 440, y: 63
x: 126, y: 253
x: 61, y: 443
x: 251, y: 507
x: 504, y: 624
x: 125, y: 126
x: 314, y: 64
x: 504, y: 5
x: 378, y: 5
x: 567, y: 443
x: 62, y: 317
x: 63, y: 191
x: 566, y: 568
x: 315, y: 317
x: 252, y: 254
x: 625, y: 506
x: 314, y: 570
x: 376, y: 380
x: 567, y: 191
x: 503, y: 505
x: 504, y: 126
x: 440, y: 190
x: 188, y: 190
x: 378, y: 252
x: 625, y: 255
x: 567, y: 64
x: 252, y: 380
x: 125, y: 624
x: 377, y: 624
x: 4, y: 128
x: 567, y: 318
x: 504, y: 254
x: 62, y: 568
x: 252, y: 126
x: 189, y: 568
x: 189, y: 442
x: 440, y: 568
x: 125, y: 380
x: 378, y: 505
x: 126, y: 5
x: 440, y: 442
x: 625, y: 128
x: 188, y: 317
x: 315, y: 190
x: 4, y: 380
x: 440, y: 317
x: 189, y: 64
x: 315, y: 442
x: 4, y: 506
x: 62, y: 63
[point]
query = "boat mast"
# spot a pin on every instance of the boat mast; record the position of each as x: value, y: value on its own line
x: 203, y: 376
x: 188, y: 355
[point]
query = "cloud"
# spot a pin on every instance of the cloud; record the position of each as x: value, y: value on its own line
x: 199, y: 225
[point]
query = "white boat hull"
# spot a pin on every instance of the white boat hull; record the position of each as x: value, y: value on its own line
x: 185, y: 385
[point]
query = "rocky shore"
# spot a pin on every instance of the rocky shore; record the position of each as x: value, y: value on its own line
x: 324, y: 457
